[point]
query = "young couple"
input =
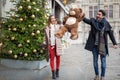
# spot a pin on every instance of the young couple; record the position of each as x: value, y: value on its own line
x: 97, y: 43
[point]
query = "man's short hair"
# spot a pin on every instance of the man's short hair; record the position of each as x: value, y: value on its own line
x: 103, y: 12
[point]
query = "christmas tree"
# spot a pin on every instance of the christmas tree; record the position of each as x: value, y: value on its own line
x: 22, y: 30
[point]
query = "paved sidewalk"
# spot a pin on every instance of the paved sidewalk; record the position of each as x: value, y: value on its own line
x: 76, y: 64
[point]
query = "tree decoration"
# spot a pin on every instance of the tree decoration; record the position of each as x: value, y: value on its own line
x: 22, y: 32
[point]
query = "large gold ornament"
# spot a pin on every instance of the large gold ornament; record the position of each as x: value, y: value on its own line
x: 14, y: 29
x: 20, y: 8
x: 1, y: 44
x: 21, y: 19
x: 13, y: 38
x: 26, y: 54
x: 33, y: 16
x: 37, y: 9
x: 29, y: 7
x: 28, y: 41
x: 10, y: 52
x: 20, y: 45
x: 34, y: 50
x: 15, y: 56
x: 28, y: 0
x: 34, y: 3
x: 38, y: 32
x: 32, y: 33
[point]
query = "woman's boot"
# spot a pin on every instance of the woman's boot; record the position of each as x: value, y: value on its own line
x: 53, y: 75
x: 57, y: 73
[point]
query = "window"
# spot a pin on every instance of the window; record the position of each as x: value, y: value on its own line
x: 106, y: 10
x: 90, y: 11
x: 95, y: 10
x: 110, y: 11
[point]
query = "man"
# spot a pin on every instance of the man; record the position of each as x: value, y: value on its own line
x: 97, y: 41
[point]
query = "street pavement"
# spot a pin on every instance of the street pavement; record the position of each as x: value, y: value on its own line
x: 76, y: 64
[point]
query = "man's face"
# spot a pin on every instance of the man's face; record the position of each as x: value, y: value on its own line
x: 99, y: 16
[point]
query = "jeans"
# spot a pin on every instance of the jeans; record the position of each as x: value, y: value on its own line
x: 95, y: 62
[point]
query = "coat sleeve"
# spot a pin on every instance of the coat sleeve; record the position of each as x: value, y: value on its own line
x: 88, y: 21
x: 110, y: 32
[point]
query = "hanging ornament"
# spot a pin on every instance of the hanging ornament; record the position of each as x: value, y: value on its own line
x: 29, y: 25
x: 9, y: 29
x: 32, y: 33
x: 34, y: 3
x: 13, y: 38
x: 26, y: 54
x: 20, y: 8
x: 28, y: 0
x: 1, y: 44
x: 12, y: 15
x: 15, y: 56
x: 20, y: 45
x: 34, y: 25
x: 14, y: 29
x: 46, y: 3
x: 29, y: 7
x: 21, y: 19
x: 38, y: 32
x: 37, y: 9
x: 33, y: 16
x: 21, y: 53
x: 34, y: 50
x: 41, y: 51
x: 10, y: 52
x: 28, y: 41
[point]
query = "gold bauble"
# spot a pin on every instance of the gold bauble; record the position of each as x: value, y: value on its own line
x: 34, y: 50
x: 38, y: 32
x: 29, y: 7
x: 1, y: 44
x: 33, y: 16
x: 20, y: 45
x: 28, y: 0
x: 34, y: 25
x: 15, y: 56
x: 21, y: 19
x: 41, y: 51
x: 28, y: 41
x: 32, y: 34
x: 9, y: 29
x: 34, y: 3
x: 12, y: 38
x: 20, y: 8
x: 10, y: 52
x: 29, y: 25
x: 26, y: 54
x: 37, y: 9
x: 14, y: 29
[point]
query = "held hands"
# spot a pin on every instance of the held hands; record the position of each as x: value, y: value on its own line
x: 115, y: 46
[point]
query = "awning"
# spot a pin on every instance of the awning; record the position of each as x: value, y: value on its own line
x: 62, y: 6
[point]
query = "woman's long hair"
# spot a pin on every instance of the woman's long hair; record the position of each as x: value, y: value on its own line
x: 49, y: 20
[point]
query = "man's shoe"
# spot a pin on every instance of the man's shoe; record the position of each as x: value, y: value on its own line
x: 102, y: 78
x: 96, y: 77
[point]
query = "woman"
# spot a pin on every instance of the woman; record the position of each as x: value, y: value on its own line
x: 54, y: 45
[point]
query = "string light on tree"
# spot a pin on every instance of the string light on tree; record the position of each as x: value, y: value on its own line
x: 20, y: 8
x: 29, y: 7
x: 15, y: 56
x: 10, y: 52
x: 26, y: 54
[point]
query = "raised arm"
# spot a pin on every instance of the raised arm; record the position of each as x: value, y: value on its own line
x: 88, y: 21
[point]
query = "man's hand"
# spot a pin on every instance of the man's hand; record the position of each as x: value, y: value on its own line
x: 115, y: 46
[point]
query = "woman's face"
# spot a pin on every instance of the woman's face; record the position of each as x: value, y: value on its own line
x: 53, y: 20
